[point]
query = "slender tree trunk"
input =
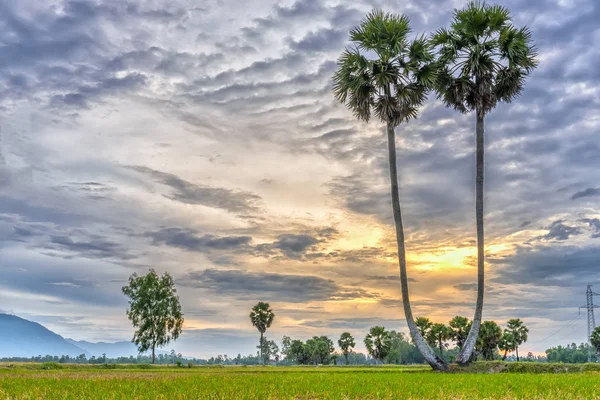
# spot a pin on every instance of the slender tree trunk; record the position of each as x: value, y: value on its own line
x: 517, y: 351
x: 153, y: 356
x: 262, y: 360
x: 436, y: 362
x: 464, y: 356
x: 347, y: 362
x: 504, y: 356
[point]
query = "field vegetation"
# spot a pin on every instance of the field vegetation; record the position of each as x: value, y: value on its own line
x: 482, y: 380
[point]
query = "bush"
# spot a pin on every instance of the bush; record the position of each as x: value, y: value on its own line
x: 51, y: 365
x: 178, y: 363
x: 144, y: 366
x: 190, y: 365
x: 109, y: 366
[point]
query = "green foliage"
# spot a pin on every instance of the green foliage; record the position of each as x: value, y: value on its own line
x: 568, y: 354
x: 262, y: 316
x: 402, y: 351
x: 483, y: 58
x: 346, y: 343
x: 595, y: 339
x: 51, y: 365
x: 438, y: 335
x: 460, y: 327
x: 424, y: 326
x: 518, y: 331
x: 154, y: 310
x: 179, y: 363
x: 394, y: 83
x: 488, y: 339
x: 378, y: 342
x: 318, y: 349
x: 507, y: 343
x: 190, y: 364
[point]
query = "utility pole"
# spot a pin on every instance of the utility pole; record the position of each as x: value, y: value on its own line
x: 590, y: 317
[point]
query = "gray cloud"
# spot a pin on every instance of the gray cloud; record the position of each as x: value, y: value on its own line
x: 586, y: 193
x: 269, y: 286
x: 560, y: 231
x: 189, y: 240
x: 234, y: 201
x: 562, y: 266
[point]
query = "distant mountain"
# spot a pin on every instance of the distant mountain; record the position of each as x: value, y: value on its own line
x: 112, y: 350
x: 22, y: 338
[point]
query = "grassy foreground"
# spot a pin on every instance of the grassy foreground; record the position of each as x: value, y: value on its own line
x: 30, y: 381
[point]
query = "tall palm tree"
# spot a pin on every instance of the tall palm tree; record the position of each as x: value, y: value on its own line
x: 388, y: 75
x: 484, y: 60
x: 262, y: 317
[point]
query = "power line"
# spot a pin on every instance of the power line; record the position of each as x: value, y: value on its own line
x: 567, y: 324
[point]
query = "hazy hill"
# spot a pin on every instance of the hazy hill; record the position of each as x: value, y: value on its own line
x: 112, y: 350
x: 22, y: 338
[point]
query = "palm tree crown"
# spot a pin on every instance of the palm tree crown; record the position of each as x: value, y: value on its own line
x: 484, y: 59
x: 262, y: 316
x: 394, y: 83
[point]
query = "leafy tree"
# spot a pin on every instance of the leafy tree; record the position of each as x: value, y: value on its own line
x: 273, y: 351
x: 484, y: 60
x: 519, y: 332
x: 262, y: 317
x: 571, y: 354
x: 346, y: 343
x: 439, y: 334
x: 378, y: 342
x: 388, y: 75
x: 402, y: 351
x: 595, y: 341
x: 318, y: 349
x: 286, y: 343
x: 296, y: 352
x: 154, y: 310
x: 507, y: 343
x: 460, y: 329
x: 489, y: 337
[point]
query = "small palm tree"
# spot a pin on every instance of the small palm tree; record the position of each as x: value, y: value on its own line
x: 262, y: 317
x: 483, y: 60
x: 519, y: 332
x: 388, y: 75
x: 378, y: 342
x: 346, y: 343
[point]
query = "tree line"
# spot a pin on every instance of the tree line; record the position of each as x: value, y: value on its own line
x: 156, y: 315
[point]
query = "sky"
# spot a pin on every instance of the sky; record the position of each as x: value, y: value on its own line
x: 202, y: 139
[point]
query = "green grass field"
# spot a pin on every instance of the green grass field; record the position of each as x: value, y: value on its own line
x: 30, y: 381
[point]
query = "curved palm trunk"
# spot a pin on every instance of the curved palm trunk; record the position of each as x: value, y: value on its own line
x: 436, y: 362
x: 464, y: 357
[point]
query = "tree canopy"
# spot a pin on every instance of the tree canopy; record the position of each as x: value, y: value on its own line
x: 154, y: 310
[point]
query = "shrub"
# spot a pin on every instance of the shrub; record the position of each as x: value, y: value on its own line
x: 51, y: 365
